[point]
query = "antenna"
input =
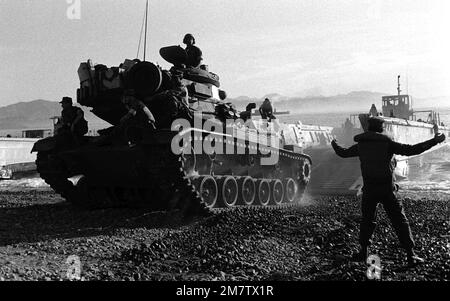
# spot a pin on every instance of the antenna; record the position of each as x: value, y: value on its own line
x: 140, y: 36
x: 407, y: 82
x: 145, y: 38
x: 407, y: 91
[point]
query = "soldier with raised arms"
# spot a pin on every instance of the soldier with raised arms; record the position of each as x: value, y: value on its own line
x: 375, y: 151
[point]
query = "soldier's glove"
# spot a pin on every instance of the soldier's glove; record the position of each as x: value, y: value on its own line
x: 438, y: 138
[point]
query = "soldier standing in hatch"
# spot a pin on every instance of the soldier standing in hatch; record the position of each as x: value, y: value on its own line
x: 375, y: 152
x: 194, y: 54
x: 72, y: 119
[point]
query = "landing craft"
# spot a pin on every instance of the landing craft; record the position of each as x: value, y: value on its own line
x: 16, y: 158
x: 404, y: 125
x: 401, y: 123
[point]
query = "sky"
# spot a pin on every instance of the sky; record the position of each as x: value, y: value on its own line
x: 257, y: 47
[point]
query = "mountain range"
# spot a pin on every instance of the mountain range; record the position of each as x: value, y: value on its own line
x: 37, y: 113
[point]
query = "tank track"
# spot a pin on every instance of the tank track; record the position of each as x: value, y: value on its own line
x: 176, y: 189
x: 298, y: 176
x: 172, y: 178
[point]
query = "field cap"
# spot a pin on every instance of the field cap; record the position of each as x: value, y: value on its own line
x: 376, y: 121
x: 66, y: 99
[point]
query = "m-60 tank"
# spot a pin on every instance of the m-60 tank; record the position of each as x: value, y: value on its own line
x: 199, y: 153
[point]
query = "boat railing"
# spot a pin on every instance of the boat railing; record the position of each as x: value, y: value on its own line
x: 432, y: 117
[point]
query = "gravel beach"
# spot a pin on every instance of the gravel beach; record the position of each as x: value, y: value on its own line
x: 312, y: 241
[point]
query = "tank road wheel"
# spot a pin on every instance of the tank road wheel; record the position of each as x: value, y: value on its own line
x: 263, y: 192
x: 207, y: 188
x: 228, y: 191
x: 305, y: 172
x: 247, y: 190
x: 290, y: 190
x: 276, y: 186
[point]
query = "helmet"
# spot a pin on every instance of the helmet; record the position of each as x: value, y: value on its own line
x: 187, y: 37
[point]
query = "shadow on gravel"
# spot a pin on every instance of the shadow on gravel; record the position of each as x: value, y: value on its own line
x: 61, y: 220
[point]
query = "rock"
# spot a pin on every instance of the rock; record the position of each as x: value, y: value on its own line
x: 305, y: 243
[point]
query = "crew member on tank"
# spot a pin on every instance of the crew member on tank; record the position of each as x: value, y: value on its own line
x: 136, y: 107
x: 72, y: 118
x: 266, y: 110
x: 194, y: 54
x: 375, y: 151
x: 178, y: 88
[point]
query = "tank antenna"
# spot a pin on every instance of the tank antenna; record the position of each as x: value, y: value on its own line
x: 140, y: 36
x: 145, y: 37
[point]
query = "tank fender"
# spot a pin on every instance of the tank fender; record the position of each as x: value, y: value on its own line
x: 44, y: 145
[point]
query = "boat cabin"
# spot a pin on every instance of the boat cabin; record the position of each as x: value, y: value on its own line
x: 398, y: 106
